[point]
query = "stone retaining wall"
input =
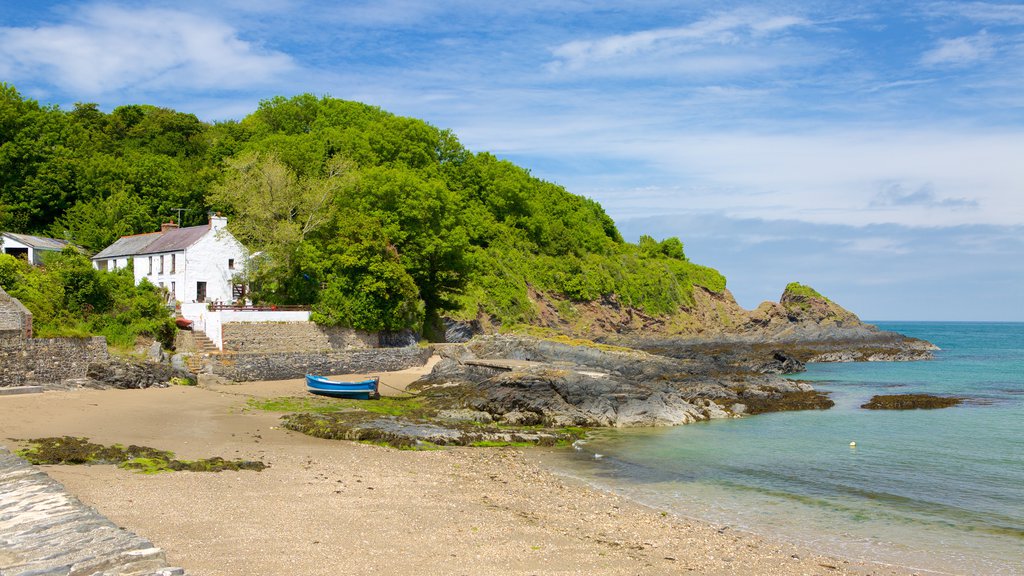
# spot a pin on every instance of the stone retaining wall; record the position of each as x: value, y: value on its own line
x: 48, y: 362
x: 292, y: 337
x: 14, y: 317
x: 45, y: 530
x: 287, y: 365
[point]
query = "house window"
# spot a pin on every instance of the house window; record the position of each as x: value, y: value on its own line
x: 161, y: 263
x: 151, y: 265
x: 174, y: 291
x: 102, y: 265
x: 231, y: 263
x: 200, y: 291
x: 172, y: 263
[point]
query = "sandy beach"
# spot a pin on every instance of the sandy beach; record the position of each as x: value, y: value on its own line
x: 335, y: 507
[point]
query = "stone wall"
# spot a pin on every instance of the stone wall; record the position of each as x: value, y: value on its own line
x: 49, y: 362
x: 251, y: 337
x: 15, y: 319
x: 288, y: 365
x: 45, y: 530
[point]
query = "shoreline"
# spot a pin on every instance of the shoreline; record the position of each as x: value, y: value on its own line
x: 328, y: 507
x: 549, y: 461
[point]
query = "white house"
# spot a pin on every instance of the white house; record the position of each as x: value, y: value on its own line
x: 30, y: 248
x: 194, y: 264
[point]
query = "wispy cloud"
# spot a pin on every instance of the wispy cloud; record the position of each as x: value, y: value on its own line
x: 107, y: 48
x: 898, y: 194
x: 960, y: 51
x: 989, y: 13
x: 720, y: 42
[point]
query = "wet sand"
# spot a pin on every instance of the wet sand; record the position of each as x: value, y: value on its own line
x: 333, y: 507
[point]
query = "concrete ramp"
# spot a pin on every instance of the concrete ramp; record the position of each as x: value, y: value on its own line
x: 46, y: 530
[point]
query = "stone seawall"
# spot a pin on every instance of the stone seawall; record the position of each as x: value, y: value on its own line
x: 250, y: 337
x: 49, y: 362
x: 288, y: 365
x: 45, y: 530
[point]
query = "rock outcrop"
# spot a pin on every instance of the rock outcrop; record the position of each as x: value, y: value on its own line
x: 125, y: 374
x: 523, y: 381
x: 776, y: 337
x: 910, y: 402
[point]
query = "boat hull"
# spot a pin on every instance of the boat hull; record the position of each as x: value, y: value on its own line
x: 363, y: 390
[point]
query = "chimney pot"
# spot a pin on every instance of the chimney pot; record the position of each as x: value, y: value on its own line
x: 168, y: 226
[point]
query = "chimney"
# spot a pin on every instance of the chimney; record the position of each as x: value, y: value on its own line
x: 217, y: 222
x: 168, y: 226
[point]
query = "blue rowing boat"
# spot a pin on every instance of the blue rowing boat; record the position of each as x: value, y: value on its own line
x: 363, y: 390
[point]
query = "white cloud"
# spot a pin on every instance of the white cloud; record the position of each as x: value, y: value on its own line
x: 960, y: 51
x: 108, y: 49
x: 735, y: 31
x: 983, y: 12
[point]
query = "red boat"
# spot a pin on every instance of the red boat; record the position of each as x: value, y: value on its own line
x: 183, y: 323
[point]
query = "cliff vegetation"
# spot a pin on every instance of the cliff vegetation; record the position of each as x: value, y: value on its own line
x: 376, y: 221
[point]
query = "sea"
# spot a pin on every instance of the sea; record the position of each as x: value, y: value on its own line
x: 934, y: 490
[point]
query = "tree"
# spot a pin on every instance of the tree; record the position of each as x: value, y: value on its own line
x: 420, y: 216
x: 95, y: 224
x: 274, y: 213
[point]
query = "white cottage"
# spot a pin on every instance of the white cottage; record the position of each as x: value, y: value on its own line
x: 194, y: 264
x: 31, y: 248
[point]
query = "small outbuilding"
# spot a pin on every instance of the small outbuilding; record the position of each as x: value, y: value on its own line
x: 31, y: 248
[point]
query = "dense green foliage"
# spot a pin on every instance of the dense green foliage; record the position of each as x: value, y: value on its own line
x: 798, y: 289
x: 376, y: 221
x: 68, y: 297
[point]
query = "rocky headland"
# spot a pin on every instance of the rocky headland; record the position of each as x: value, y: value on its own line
x: 779, y: 337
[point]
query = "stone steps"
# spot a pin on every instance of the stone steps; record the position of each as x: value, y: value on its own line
x: 203, y: 343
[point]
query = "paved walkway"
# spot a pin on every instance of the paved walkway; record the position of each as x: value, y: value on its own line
x: 45, y: 530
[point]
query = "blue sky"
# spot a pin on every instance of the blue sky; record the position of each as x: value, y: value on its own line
x: 874, y: 150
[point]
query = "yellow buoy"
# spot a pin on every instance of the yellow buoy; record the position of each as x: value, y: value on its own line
x: 853, y: 444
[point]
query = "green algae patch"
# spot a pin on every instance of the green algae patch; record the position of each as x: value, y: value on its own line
x: 71, y: 450
x: 142, y: 459
x: 409, y: 434
x: 408, y: 406
x: 910, y: 402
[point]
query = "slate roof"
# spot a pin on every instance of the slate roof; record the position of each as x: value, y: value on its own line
x: 173, y: 240
x: 38, y: 242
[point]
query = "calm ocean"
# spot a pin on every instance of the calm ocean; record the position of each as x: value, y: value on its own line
x: 933, y: 489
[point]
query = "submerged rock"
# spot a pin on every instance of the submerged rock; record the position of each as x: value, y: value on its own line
x: 910, y: 402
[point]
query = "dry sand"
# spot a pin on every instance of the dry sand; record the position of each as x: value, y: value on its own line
x: 333, y: 507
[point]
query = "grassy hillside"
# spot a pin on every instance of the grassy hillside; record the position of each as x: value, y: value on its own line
x: 377, y: 221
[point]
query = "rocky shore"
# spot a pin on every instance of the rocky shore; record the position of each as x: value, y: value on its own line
x: 519, y: 380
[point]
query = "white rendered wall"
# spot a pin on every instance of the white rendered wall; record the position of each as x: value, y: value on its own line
x: 265, y: 315
x: 207, y: 261
x: 12, y: 243
x: 156, y: 278
x: 210, y: 322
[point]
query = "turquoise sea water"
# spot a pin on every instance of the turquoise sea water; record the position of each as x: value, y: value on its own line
x: 933, y: 489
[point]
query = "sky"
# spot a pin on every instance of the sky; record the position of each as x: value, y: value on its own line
x: 872, y: 150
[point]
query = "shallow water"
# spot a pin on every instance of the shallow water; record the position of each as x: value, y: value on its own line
x: 933, y: 489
